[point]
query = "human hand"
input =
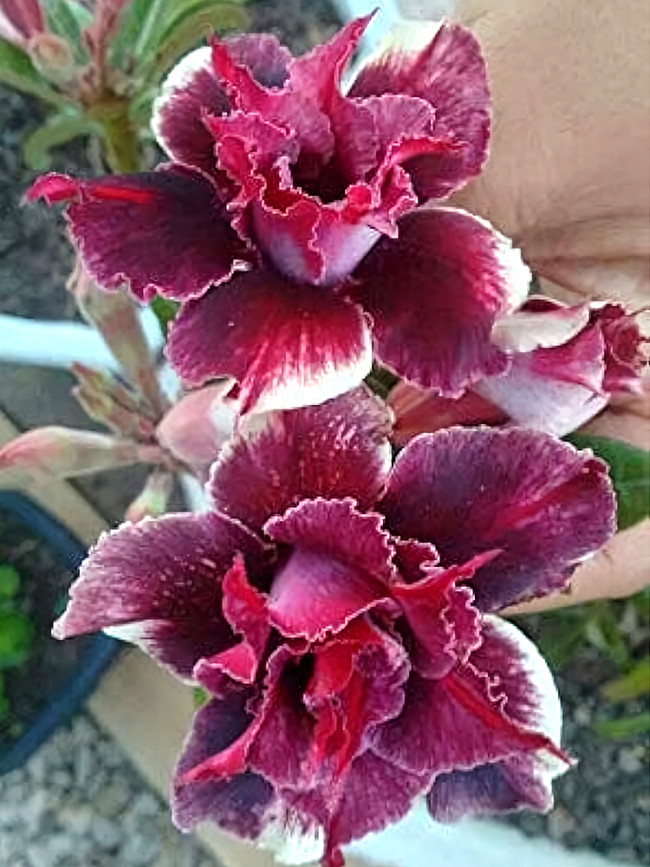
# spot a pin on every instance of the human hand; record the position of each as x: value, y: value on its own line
x: 569, y: 180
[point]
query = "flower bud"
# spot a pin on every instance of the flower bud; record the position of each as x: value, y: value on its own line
x: 52, y: 57
x: 57, y: 452
x: 20, y: 20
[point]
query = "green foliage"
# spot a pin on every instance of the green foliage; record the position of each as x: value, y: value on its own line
x: 18, y: 71
x: 199, y: 696
x: 67, y: 19
x: 156, y: 33
x: 165, y: 311
x: 57, y: 130
x: 9, y: 583
x: 16, y: 633
x: 623, y: 728
x: 186, y: 31
x: 630, y: 472
x: 635, y: 684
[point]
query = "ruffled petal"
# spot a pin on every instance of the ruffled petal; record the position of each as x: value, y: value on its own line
x: 164, y: 231
x: 158, y: 584
x: 339, y: 567
x: 545, y: 505
x: 441, y: 617
x: 501, y: 704
x: 434, y: 295
x: 335, y: 450
x: 245, y: 609
x: 240, y: 803
x: 521, y: 781
x: 287, y: 345
x: 449, y: 72
x: 192, y: 89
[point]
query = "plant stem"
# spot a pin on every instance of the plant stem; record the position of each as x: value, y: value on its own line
x: 121, y: 143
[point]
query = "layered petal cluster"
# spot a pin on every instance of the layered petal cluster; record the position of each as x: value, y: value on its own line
x: 564, y: 364
x: 289, y: 221
x: 340, y: 614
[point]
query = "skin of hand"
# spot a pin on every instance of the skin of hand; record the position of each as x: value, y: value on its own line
x: 568, y: 179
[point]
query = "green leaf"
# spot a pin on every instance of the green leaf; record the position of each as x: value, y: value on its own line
x: 18, y: 71
x: 57, y: 130
x: 9, y: 582
x: 199, y: 697
x: 16, y: 634
x: 630, y: 471
x: 165, y: 311
x: 67, y: 19
x: 635, y: 684
x: 187, y: 29
x: 623, y: 728
x: 133, y: 21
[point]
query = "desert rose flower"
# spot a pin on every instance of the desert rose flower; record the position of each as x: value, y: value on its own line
x: 565, y: 363
x: 340, y: 613
x: 288, y: 222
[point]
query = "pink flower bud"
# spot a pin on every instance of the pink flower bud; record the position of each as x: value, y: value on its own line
x: 52, y: 56
x: 116, y: 318
x: 196, y: 428
x: 57, y: 452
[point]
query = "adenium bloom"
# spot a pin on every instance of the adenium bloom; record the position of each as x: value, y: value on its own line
x: 565, y: 363
x: 288, y: 222
x: 340, y: 613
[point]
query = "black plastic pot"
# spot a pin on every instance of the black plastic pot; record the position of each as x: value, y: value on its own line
x: 99, y: 651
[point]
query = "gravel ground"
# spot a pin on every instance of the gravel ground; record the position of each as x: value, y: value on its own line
x: 602, y: 804
x: 79, y: 803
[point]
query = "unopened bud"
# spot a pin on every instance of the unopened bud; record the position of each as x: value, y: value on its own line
x: 57, y: 452
x: 117, y: 319
x: 52, y: 57
x: 196, y: 428
x: 20, y: 20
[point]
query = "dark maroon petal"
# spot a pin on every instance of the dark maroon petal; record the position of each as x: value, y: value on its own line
x: 435, y: 294
x: 164, y: 231
x: 501, y: 704
x: 440, y: 614
x: 192, y: 90
x: 335, y: 450
x: 339, y: 567
x: 356, y: 684
x: 158, y: 583
x: 417, y: 411
x: 510, y: 665
x: 499, y: 787
x: 286, y: 345
x: 239, y: 804
x: 245, y: 609
x: 376, y: 794
x: 318, y: 73
x: 450, y: 74
x: 413, y: 559
x: 545, y: 505
x: 287, y: 107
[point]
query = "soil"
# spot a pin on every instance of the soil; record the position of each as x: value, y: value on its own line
x: 45, y: 578
x: 603, y: 803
